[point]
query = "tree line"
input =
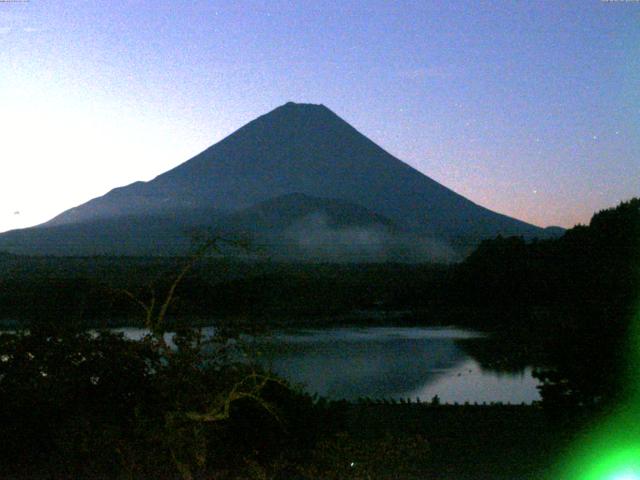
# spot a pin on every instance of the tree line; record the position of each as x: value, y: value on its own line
x: 572, y: 300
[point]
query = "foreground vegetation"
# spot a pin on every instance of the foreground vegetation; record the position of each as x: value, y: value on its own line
x: 76, y: 404
x: 79, y: 405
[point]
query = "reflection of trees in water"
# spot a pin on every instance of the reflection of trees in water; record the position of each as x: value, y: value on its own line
x: 501, y: 355
x: 376, y: 369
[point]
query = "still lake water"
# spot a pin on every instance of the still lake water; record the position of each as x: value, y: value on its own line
x: 386, y: 362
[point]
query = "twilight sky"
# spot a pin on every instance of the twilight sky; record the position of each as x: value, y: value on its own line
x: 530, y: 108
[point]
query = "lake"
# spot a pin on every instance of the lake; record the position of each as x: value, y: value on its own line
x: 387, y: 363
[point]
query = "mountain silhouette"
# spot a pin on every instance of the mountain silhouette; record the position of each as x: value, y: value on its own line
x: 298, y: 158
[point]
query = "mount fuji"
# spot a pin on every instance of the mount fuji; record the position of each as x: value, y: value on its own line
x: 298, y: 179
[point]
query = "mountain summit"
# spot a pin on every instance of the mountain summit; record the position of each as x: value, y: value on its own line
x: 297, y: 148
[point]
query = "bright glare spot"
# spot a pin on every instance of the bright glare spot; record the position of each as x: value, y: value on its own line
x: 626, y: 475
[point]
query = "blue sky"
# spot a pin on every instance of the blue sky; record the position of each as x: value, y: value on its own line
x: 528, y: 108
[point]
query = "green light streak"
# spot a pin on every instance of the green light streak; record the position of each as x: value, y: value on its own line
x: 611, y: 451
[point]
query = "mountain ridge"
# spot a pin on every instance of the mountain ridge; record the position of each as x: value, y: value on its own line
x: 308, y: 150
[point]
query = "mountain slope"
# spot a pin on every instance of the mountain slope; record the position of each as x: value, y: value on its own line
x: 296, y: 148
x: 279, y: 213
x: 307, y: 149
x: 289, y: 227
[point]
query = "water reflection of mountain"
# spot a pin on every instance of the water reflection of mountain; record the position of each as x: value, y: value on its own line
x: 383, y: 367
